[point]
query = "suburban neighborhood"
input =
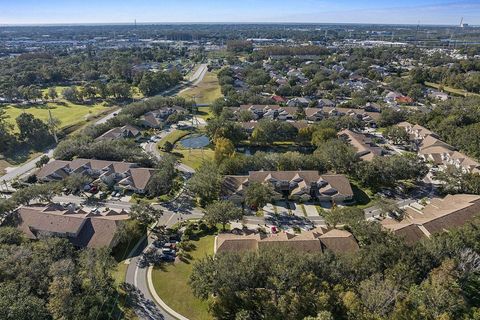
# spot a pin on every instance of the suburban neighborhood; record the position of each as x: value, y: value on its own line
x: 240, y: 171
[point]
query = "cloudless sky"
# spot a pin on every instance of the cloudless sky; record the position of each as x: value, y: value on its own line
x: 301, y: 11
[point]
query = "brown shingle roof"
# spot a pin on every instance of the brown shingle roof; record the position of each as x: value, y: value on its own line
x: 339, y: 241
x: 439, y: 215
x: 81, y: 228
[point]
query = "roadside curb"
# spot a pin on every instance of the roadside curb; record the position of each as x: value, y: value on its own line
x: 158, y: 300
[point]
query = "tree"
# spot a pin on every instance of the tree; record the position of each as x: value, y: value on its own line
x: 33, y: 131
x: 343, y: 215
x: 7, y: 139
x: 439, y: 296
x: 167, y: 146
x: 389, y: 117
x: 322, y: 135
x: 222, y: 212
x: 378, y: 295
x: 388, y: 172
x: 120, y: 90
x: 206, y: 183
x: 43, y: 161
x: 146, y: 214
x: 76, y: 182
x: 42, y: 192
x: 71, y: 94
x: 161, y: 181
x: 397, y: 135
x: 257, y: 195
x: 224, y: 148
x: 52, y: 94
x: 454, y: 180
x: 390, y: 208
x: 338, y: 155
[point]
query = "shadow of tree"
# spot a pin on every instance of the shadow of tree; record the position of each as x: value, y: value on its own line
x: 144, y: 308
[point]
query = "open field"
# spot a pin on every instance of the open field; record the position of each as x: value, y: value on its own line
x: 205, y: 113
x: 173, y: 137
x: 171, y: 283
x: 67, y: 112
x: 194, y: 157
x: 459, y: 92
x: 206, y: 92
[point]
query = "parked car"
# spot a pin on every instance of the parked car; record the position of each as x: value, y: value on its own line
x: 167, y: 258
x: 168, y: 251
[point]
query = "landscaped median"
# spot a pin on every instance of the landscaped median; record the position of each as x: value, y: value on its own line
x: 170, y: 282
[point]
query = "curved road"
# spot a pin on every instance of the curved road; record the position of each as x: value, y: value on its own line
x: 194, y: 80
x: 146, y: 307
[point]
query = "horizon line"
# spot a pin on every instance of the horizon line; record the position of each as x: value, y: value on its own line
x: 65, y: 24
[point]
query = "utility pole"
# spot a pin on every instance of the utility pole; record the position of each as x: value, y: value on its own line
x: 53, y: 125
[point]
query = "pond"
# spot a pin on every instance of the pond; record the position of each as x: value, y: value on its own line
x: 195, y: 142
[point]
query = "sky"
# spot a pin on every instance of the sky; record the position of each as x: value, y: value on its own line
x: 267, y: 11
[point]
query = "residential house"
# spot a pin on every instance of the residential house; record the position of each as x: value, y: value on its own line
x: 156, y: 119
x: 438, y: 216
x: 251, y: 125
x: 278, y: 99
x: 365, y: 147
x: 315, y: 241
x: 369, y: 118
x: 392, y: 96
x: 125, y: 132
x: 122, y: 176
x: 299, y: 102
x: 325, y: 103
x: 435, y: 151
x: 438, y: 95
x: 297, y: 185
x: 82, y: 227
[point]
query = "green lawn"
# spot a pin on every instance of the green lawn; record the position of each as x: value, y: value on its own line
x: 171, y: 283
x: 194, y: 157
x: 206, y: 92
x: 459, y: 92
x: 173, y: 137
x: 205, y: 113
x: 67, y: 112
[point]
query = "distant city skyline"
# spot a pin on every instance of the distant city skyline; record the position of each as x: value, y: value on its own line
x: 246, y: 11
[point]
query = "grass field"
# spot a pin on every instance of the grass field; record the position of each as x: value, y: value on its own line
x: 68, y: 113
x: 194, y: 157
x: 459, y: 92
x: 171, y: 283
x: 173, y: 137
x: 205, y: 113
x: 206, y: 92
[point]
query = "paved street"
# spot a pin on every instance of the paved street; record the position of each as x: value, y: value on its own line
x: 147, y: 308
x: 25, y: 168
x: 180, y: 209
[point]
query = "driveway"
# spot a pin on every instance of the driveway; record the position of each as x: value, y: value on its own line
x: 311, y: 210
x: 296, y: 209
x: 282, y: 207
